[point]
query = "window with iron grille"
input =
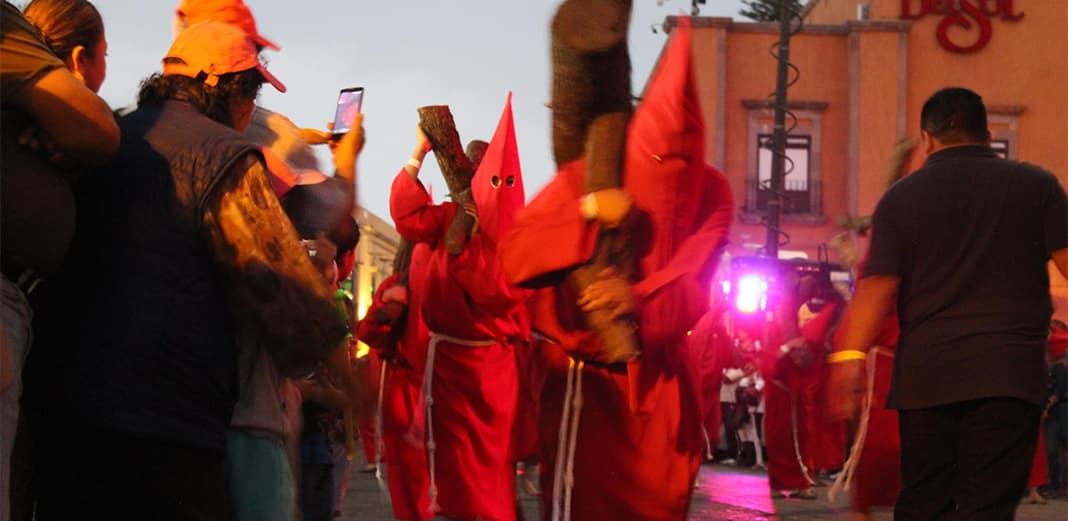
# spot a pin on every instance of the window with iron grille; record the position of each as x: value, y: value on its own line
x: 797, y: 197
x: 802, y: 186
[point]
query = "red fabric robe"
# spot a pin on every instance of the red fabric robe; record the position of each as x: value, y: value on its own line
x: 1055, y: 346
x: 475, y: 388
x: 368, y: 430
x: 789, y: 403
x: 525, y: 430
x: 826, y: 437
x: 638, y: 439
x: 403, y: 419
x: 709, y: 339
x: 878, y: 473
x: 1039, y: 465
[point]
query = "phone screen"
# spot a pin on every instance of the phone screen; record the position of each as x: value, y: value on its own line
x: 349, y: 103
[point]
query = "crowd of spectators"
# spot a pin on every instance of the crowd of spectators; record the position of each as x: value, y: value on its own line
x: 202, y: 245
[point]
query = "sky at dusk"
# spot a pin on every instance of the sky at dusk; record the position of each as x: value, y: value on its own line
x: 463, y: 53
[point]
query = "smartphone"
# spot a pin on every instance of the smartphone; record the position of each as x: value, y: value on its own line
x: 349, y: 103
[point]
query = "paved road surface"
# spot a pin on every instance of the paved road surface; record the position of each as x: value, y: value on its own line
x: 724, y: 493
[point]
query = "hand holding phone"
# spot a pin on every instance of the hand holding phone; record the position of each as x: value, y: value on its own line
x: 349, y: 103
x: 346, y: 149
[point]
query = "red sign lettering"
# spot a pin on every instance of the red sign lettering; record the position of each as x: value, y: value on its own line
x: 970, y: 15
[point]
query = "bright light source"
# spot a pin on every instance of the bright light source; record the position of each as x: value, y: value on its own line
x: 362, y: 350
x: 726, y: 285
x: 752, y: 294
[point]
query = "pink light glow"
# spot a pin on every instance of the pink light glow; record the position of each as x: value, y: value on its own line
x: 752, y: 294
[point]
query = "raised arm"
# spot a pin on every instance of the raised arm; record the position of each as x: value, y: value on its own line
x: 416, y: 217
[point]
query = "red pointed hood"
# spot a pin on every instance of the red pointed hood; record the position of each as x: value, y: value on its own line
x: 498, y: 184
x: 665, y: 157
x: 668, y: 121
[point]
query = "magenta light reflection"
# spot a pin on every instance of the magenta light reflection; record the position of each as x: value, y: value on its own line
x: 752, y: 294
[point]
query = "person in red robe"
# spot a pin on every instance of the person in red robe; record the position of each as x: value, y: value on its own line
x: 368, y: 424
x: 792, y: 371
x: 393, y: 328
x: 1039, y: 471
x: 712, y: 344
x: 623, y: 441
x: 1040, y: 468
x: 825, y: 435
x: 471, y: 380
x: 525, y: 430
x: 872, y: 474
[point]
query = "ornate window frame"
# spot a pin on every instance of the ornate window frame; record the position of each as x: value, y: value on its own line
x: 761, y: 112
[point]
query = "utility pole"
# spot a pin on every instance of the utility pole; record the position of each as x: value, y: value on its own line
x: 778, y: 164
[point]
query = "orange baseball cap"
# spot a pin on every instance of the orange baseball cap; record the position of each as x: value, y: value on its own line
x: 233, y: 12
x: 208, y: 50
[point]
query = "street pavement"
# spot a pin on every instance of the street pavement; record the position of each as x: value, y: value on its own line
x: 723, y: 493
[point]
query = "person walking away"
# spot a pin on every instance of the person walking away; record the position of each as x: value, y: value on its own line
x: 961, y: 246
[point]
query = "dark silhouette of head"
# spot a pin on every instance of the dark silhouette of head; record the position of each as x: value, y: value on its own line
x: 955, y: 116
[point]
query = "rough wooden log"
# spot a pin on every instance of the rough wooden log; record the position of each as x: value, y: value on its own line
x: 440, y: 129
x: 460, y: 229
x: 591, y: 96
x: 592, y: 103
x: 619, y: 341
x: 457, y: 169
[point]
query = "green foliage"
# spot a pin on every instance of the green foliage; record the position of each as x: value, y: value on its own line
x: 768, y: 10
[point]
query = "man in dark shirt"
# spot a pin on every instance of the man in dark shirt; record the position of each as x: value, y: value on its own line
x: 961, y: 246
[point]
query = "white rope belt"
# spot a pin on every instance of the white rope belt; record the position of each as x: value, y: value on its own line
x: 564, y: 471
x: 379, y: 443
x: 845, y: 479
x: 428, y: 379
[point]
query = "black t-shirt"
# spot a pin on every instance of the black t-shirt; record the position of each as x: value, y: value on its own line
x: 970, y: 236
